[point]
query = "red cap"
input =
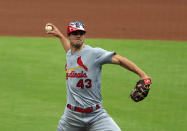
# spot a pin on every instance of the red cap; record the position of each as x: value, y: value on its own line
x: 74, y: 26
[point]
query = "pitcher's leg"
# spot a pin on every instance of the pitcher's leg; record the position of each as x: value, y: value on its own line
x: 70, y: 122
x: 66, y: 126
x: 103, y: 122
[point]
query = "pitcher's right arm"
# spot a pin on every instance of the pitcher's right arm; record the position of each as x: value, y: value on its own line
x: 56, y: 32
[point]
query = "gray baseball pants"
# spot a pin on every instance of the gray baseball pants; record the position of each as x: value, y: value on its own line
x: 97, y: 120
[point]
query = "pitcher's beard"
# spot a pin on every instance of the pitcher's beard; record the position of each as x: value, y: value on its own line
x: 77, y: 46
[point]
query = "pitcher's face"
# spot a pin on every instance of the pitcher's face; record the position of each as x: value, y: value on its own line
x: 77, y: 38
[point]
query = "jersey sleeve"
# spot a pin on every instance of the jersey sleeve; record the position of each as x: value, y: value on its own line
x: 104, y: 57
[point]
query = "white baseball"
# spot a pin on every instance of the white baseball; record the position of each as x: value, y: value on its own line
x: 48, y: 28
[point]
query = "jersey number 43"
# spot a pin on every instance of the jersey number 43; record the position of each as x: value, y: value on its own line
x: 84, y: 83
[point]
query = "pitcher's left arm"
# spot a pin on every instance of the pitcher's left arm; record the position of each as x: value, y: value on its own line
x: 127, y: 64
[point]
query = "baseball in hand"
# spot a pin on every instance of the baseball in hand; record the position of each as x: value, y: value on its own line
x: 48, y: 28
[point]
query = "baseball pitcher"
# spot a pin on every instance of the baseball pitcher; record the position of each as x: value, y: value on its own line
x: 84, y: 110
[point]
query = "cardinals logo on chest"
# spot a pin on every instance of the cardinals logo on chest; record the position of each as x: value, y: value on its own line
x: 80, y: 63
x: 71, y: 73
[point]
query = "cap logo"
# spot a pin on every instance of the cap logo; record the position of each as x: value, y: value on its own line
x: 73, y: 26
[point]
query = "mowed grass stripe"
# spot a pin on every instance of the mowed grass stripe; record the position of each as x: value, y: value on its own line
x: 33, y: 93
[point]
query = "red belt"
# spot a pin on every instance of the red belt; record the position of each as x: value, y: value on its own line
x: 82, y: 110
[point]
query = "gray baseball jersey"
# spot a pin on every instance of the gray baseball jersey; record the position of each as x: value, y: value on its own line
x: 83, y: 74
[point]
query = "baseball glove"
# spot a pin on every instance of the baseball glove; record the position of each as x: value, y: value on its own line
x: 141, y: 90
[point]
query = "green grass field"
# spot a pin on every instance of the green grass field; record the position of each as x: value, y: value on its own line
x: 33, y: 92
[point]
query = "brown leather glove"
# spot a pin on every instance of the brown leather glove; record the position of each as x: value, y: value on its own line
x: 141, y: 90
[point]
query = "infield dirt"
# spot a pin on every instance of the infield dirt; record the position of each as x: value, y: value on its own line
x: 126, y: 19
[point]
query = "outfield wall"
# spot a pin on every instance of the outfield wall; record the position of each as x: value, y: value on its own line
x: 126, y: 19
